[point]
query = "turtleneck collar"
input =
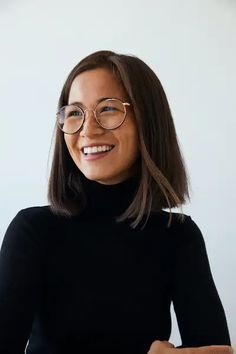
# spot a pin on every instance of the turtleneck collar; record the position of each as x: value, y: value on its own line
x: 110, y: 200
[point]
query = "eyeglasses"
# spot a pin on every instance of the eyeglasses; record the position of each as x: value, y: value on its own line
x: 110, y: 113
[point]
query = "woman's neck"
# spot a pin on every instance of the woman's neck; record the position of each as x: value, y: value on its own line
x: 112, y: 199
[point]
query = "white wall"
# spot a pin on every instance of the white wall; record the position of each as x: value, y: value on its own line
x: 189, y: 43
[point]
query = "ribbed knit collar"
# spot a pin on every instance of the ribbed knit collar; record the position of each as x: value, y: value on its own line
x: 110, y: 200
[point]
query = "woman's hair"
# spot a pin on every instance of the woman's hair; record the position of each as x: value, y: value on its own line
x: 163, y: 178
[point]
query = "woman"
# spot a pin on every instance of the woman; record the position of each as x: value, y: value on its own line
x: 97, y: 269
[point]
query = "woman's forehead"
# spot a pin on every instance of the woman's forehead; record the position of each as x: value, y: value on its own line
x: 92, y: 85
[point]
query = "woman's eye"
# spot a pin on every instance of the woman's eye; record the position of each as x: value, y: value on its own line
x: 108, y: 108
x: 75, y: 114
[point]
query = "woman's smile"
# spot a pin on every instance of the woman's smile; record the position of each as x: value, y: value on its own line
x: 98, y: 153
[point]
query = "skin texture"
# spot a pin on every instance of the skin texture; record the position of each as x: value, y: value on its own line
x: 164, y: 347
x: 118, y: 165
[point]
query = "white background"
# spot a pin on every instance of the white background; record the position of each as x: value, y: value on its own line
x: 190, y: 44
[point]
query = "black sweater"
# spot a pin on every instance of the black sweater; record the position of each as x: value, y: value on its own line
x: 91, y: 285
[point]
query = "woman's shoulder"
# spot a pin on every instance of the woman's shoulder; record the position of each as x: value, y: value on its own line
x: 34, y: 220
x: 32, y: 226
x: 179, y: 227
x: 36, y: 212
x: 183, y: 229
x: 173, y: 219
x: 37, y: 215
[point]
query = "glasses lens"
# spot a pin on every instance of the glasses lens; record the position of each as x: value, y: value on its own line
x: 70, y: 119
x: 110, y: 113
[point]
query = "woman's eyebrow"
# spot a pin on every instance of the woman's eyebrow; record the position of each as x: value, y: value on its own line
x: 99, y: 100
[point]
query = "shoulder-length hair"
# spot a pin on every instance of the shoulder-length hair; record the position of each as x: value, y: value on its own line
x: 163, y: 181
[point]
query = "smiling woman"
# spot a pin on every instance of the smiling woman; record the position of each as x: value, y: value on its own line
x: 96, y: 270
x: 142, y: 144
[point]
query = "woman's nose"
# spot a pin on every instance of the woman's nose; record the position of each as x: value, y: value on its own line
x: 90, y: 126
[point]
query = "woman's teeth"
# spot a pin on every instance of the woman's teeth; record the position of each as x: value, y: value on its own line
x: 97, y: 149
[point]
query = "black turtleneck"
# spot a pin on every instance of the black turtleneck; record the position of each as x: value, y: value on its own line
x: 88, y: 284
x: 109, y: 200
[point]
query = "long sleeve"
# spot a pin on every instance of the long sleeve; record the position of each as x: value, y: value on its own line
x: 199, y: 311
x: 19, y: 285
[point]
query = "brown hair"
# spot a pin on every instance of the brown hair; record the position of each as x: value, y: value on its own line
x: 163, y: 178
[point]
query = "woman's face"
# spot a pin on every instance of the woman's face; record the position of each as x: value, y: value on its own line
x: 113, y: 166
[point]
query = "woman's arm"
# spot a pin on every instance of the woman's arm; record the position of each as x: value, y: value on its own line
x: 200, y: 314
x: 19, y: 285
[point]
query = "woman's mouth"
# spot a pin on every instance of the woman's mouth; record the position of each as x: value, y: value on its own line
x: 96, y: 152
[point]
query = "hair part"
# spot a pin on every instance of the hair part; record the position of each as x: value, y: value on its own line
x: 163, y: 179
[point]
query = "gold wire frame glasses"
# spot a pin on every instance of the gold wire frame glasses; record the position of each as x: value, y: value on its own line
x: 110, y: 113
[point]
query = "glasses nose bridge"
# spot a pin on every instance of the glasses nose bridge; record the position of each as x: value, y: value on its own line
x: 87, y: 110
x: 86, y: 122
